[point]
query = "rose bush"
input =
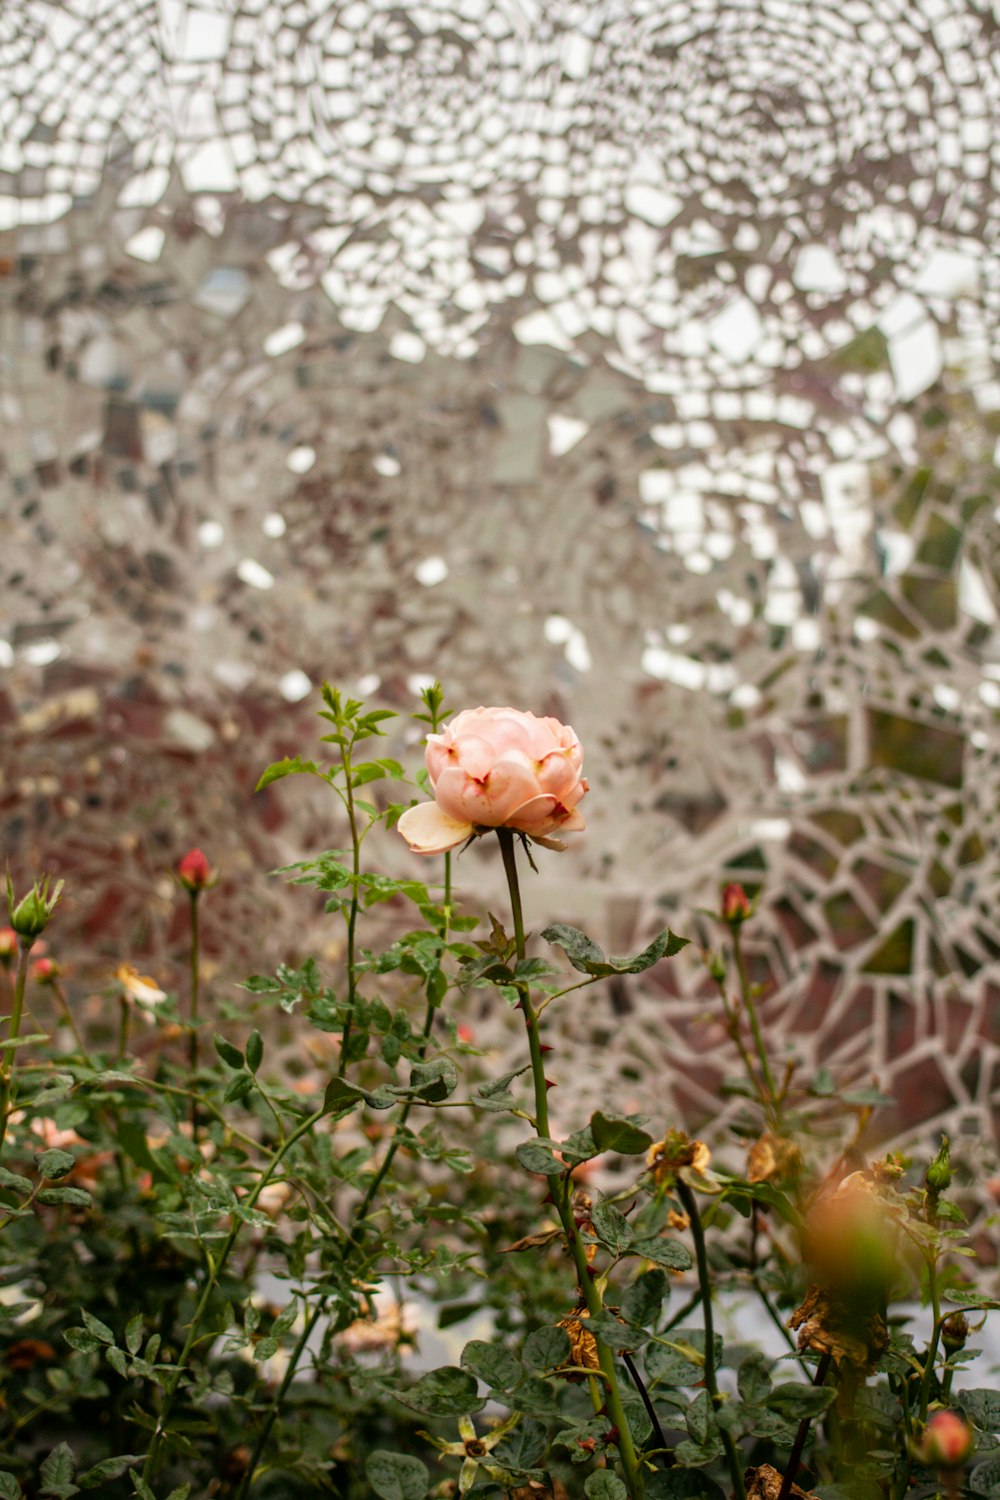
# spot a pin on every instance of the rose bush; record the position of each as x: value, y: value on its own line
x: 498, y: 768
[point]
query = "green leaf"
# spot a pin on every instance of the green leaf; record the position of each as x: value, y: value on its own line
x: 982, y: 1407
x: 57, y: 1473
x: 9, y: 1487
x: 96, y: 1327
x: 669, y: 1253
x: 641, y: 1302
x: 603, y: 1485
x: 492, y: 1363
x: 396, y: 1476
x: 611, y: 1227
x: 290, y: 766
x: 753, y: 1380
x: 231, y: 1056
x: 141, y: 1487
x: 795, y: 1402
x: 679, y: 1359
x: 613, y: 1332
x: 15, y: 1182
x: 434, y: 1080
x: 523, y: 1447
x: 616, y: 1133
x: 78, y: 1197
x: 340, y: 1096
x: 587, y: 958
x: 240, y: 1085
x: 698, y: 1419
x: 968, y: 1297
x: 546, y: 1348
x: 255, y: 1051
x: 54, y: 1164
x: 445, y: 1392
x: 682, y: 1484
x: 578, y: 1147
x: 180, y: 1493
x: 536, y: 1156
x: 133, y: 1333
x: 108, y: 1468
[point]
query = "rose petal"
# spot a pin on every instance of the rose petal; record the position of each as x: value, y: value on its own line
x: 429, y: 830
x: 488, y: 801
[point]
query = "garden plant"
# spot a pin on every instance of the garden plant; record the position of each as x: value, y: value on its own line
x: 210, y: 1269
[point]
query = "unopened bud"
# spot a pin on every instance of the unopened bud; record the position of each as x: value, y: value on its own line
x: 8, y: 946
x: 30, y: 916
x: 194, y: 871
x: 955, y: 1332
x: 735, y: 904
x: 939, y: 1172
x: 947, y: 1442
x: 45, y: 971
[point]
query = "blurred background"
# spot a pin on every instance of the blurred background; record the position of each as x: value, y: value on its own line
x: 630, y: 362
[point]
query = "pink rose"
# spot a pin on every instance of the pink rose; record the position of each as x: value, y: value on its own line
x: 498, y: 768
x: 194, y: 871
x: 947, y: 1441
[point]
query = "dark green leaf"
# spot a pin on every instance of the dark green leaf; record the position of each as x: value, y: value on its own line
x: 108, y: 1468
x: 240, y: 1085
x: 754, y: 1380
x: 611, y: 1227
x: 255, y: 1051
x: 536, y: 1156
x: 492, y: 1363
x: 290, y: 766
x: 616, y: 1133
x: 78, y: 1197
x: 641, y: 1302
x: 97, y: 1328
x: 604, y: 1485
x: 434, y: 1080
x: 546, y: 1348
x: 794, y: 1402
x: 587, y: 958
x: 678, y: 1358
x: 396, y: 1476
x: 669, y: 1253
x: 180, y: 1493
x: 523, y: 1447
x: 57, y: 1473
x: 141, y: 1487
x: 231, y: 1056
x: 445, y: 1392
x: 14, y: 1181
x: 985, y: 1478
x: 613, y: 1332
x: 54, y: 1164
x: 969, y: 1298
x: 9, y: 1487
x: 982, y: 1407
x: 340, y: 1096
x: 133, y: 1333
x: 682, y: 1484
x: 579, y: 1147
x: 698, y: 1418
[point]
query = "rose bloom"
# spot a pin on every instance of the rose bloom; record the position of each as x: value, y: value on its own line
x: 498, y: 768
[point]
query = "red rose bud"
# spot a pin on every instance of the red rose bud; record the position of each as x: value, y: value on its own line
x: 947, y: 1442
x: 194, y: 871
x: 45, y: 971
x: 735, y: 903
x: 8, y: 945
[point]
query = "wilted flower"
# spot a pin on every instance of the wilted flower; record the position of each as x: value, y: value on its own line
x: 773, y: 1158
x: 390, y: 1324
x: 678, y: 1156
x: 498, y: 768
x: 194, y: 871
x: 947, y: 1442
x: 137, y: 988
x: 30, y: 916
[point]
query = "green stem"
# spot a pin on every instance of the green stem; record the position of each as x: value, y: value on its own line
x: 704, y: 1281
x: 352, y: 914
x: 67, y: 1011
x: 795, y: 1457
x: 211, y: 1282
x: 123, y: 1020
x: 355, y: 1235
x: 932, y: 1347
x: 746, y: 992
x: 195, y: 997
x: 561, y: 1192
x: 9, y: 1059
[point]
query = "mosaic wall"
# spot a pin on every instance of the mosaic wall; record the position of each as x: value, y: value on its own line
x: 634, y: 362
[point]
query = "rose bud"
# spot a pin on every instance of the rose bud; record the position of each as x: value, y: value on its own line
x: 194, y: 871
x: 45, y: 971
x: 947, y: 1441
x: 30, y: 916
x: 735, y: 904
x: 8, y: 946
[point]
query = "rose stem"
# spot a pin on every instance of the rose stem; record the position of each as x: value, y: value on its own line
x: 795, y: 1456
x: 711, y: 1384
x: 560, y: 1186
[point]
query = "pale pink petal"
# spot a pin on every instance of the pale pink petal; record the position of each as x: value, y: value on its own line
x: 428, y: 830
x: 487, y: 801
x: 543, y: 815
